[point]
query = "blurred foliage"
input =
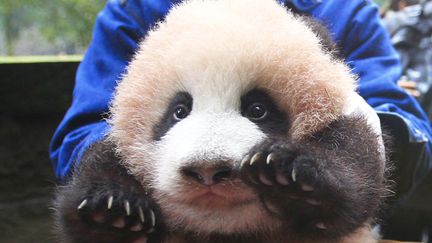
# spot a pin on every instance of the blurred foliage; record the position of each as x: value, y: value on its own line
x: 68, y: 21
x: 74, y: 18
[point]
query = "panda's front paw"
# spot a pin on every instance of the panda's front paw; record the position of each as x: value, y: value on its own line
x: 108, y: 206
x: 106, y: 212
x: 291, y: 184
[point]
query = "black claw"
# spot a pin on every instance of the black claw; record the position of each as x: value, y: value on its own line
x: 110, y: 202
x: 152, y: 219
x: 255, y: 158
x: 141, y: 214
x: 127, y: 207
x: 294, y: 175
x: 82, y: 204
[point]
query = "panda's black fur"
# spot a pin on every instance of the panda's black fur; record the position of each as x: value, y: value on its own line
x: 98, y: 176
x: 338, y: 162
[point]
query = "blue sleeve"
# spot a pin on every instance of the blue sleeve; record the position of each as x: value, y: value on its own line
x: 364, y: 42
x: 118, y: 29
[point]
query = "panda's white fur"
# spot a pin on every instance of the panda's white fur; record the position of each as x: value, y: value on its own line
x: 217, y: 50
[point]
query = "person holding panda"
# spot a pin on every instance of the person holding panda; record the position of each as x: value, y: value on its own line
x: 355, y: 27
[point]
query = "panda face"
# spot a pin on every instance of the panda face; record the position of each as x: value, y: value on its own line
x: 200, y: 145
x: 209, y: 83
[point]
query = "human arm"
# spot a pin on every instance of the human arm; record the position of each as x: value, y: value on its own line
x: 364, y: 43
x: 118, y: 29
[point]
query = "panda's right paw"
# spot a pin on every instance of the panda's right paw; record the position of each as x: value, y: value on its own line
x: 112, y: 208
x: 106, y: 212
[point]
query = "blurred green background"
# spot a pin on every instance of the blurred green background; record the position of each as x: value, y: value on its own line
x: 46, y: 27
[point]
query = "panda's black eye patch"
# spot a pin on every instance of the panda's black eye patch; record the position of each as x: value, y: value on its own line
x: 178, y: 109
x: 259, y: 108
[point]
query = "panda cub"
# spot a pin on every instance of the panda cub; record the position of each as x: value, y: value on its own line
x: 235, y: 122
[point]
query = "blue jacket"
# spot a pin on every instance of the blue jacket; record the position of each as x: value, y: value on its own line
x: 356, y: 28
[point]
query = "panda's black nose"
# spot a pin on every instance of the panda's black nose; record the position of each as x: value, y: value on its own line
x: 207, y: 176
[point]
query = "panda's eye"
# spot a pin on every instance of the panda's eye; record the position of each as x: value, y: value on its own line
x: 181, y: 112
x: 256, y: 111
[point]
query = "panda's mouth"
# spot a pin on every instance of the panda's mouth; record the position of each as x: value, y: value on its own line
x: 218, y: 193
x: 223, y: 195
x: 226, y: 209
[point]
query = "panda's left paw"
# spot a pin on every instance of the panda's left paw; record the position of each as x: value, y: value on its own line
x: 279, y: 165
x: 289, y: 183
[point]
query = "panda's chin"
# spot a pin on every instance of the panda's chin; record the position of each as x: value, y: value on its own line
x: 216, y: 214
x: 225, y: 208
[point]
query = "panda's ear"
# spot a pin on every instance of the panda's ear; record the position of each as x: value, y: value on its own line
x: 323, y: 33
